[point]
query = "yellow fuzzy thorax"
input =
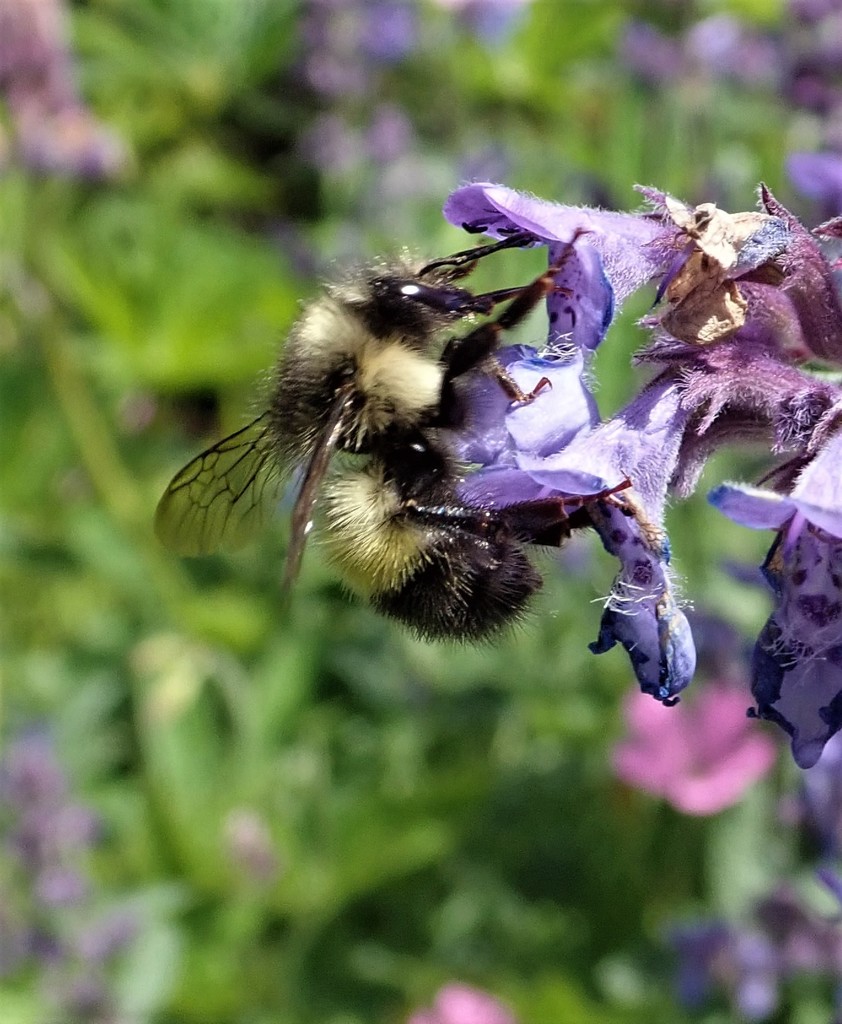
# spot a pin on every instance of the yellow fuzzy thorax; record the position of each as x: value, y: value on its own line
x: 397, y: 380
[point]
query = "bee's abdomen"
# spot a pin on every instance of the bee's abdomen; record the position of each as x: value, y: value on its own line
x: 466, y: 591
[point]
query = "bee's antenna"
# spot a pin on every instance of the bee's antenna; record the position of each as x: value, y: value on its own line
x: 518, y: 240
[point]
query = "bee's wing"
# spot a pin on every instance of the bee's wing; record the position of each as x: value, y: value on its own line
x: 302, y: 514
x: 222, y: 498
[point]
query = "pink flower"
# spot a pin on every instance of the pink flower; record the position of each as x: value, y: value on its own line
x: 461, y: 1004
x: 700, y: 756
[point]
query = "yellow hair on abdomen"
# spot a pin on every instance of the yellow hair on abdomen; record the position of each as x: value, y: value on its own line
x: 373, y: 547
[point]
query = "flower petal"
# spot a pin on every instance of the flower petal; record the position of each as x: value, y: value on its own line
x: 642, y: 613
x: 614, y: 253
x: 797, y: 665
x: 641, y: 444
x: 752, y: 506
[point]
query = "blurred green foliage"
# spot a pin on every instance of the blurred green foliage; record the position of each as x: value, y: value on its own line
x: 318, y: 819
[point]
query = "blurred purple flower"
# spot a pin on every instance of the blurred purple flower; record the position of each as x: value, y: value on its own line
x: 696, y: 947
x: 390, y: 134
x: 457, y: 1003
x: 54, y: 929
x: 832, y: 881
x: 726, y: 47
x: 54, y: 131
x: 719, y: 46
x: 810, y: 11
x: 492, y: 20
x: 649, y: 53
x: 332, y: 145
x: 821, y: 797
x: 700, y: 756
x: 805, y: 941
x: 250, y: 846
x: 389, y: 29
x: 818, y: 176
x: 750, y: 967
x: 784, y: 940
x: 106, y: 936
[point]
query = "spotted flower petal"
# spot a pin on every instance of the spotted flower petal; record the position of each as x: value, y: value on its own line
x: 613, y: 253
x: 642, y: 612
x: 797, y: 677
x: 640, y: 444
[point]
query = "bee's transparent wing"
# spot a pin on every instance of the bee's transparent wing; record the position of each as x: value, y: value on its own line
x: 223, y: 497
x: 302, y: 513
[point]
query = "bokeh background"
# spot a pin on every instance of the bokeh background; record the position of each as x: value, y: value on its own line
x: 217, y: 810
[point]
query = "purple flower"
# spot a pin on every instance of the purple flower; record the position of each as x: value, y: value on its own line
x: 742, y: 961
x: 697, y: 947
x: 725, y: 47
x: 493, y: 20
x: 701, y: 756
x: 806, y: 942
x: 818, y: 176
x: 785, y: 939
x: 556, y: 446
x: 821, y: 797
x: 55, y: 132
x: 250, y: 846
x: 810, y: 11
x: 650, y: 54
x: 500, y: 435
x: 54, y: 928
x: 390, y: 134
x: 742, y: 298
x: 457, y: 1003
x: 389, y: 30
x: 720, y: 46
x: 612, y: 255
x: 797, y: 678
x: 752, y: 972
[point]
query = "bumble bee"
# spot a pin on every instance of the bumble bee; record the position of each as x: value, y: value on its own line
x: 360, y: 374
x: 400, y: 536
x: 359, y: 369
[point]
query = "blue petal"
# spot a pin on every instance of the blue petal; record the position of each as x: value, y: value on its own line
x: 642, y: 613
x: 581, y: 308
x: 641, y: 444
x: 752, y: 506
x: 613, y: 253
x: 797, y: 664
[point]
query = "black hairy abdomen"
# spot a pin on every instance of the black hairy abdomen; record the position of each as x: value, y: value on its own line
x: 467, y: 592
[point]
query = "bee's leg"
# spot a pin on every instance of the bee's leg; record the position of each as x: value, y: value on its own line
x: 466, y: 353
x: 514, y: 391
x: 463, y: 354
x: 550, y: 521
